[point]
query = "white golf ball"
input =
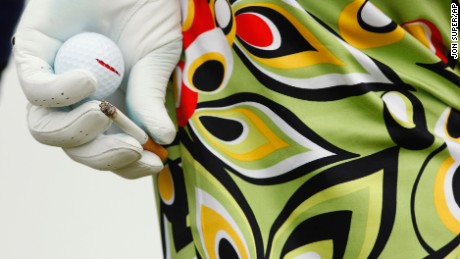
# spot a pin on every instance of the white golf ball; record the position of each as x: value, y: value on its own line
x: 97, y: 54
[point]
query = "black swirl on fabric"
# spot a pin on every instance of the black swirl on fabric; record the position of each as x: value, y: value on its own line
x: 386, y: 160
x: 296, y: 124
x: 333, y: 226
x: 209, y: 75
x: 226, y: 250
x: 383, y: 29
x: 456, y: 186
x: 418, y: 233
x: 453, y: 123
x: 332, y: 93
x: 444, y: 252
x: 223, y: 129
x: 416, y: 138
x: 291, y: 40
x: 178, y: 211
x: 440, y: 68
x: 197, y: 253
x: 216, y: 167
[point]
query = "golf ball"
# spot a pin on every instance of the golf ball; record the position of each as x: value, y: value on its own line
x: 97, y: 54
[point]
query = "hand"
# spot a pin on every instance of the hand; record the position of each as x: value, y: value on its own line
x: 149, y: 36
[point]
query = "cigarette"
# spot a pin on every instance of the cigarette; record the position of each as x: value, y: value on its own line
x: 132, y: 129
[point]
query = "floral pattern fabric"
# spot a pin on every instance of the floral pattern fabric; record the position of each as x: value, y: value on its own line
x: 314, y: 129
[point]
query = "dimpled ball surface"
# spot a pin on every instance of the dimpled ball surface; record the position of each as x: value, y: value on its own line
x: 97, y: 54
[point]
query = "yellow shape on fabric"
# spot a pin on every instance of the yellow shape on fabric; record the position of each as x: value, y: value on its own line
x: 214, y: 224
x: 357, y: 36
x: 418, y: 30
x: 302, y: 59
x: 442, y: 208
x: 197, y: 63
x: 166, y: 185
x: 248, y: 151
x: 189, y: 17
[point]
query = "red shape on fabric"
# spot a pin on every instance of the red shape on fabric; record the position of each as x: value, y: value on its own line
x: 436, y: 39
x: 187, y: 104
x: 253, y: 30
x: 203, y: 21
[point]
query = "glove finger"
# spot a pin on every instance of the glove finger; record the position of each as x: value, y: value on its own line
x: 37, y: 39
x: 107, y: 152
x: 64, y: 128
x: 146, y: 92
x: 43, y: 88
x: 149, y: 164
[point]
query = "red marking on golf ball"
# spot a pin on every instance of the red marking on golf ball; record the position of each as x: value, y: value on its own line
x: 102, y: 63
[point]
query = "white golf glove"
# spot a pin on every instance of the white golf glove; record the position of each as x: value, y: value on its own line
x: 149, y: 36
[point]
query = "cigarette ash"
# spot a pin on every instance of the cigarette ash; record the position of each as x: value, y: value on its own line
x: 107, y: 108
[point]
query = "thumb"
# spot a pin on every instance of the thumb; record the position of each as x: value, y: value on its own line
x: 34, y: 50
x: 43, y: 88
